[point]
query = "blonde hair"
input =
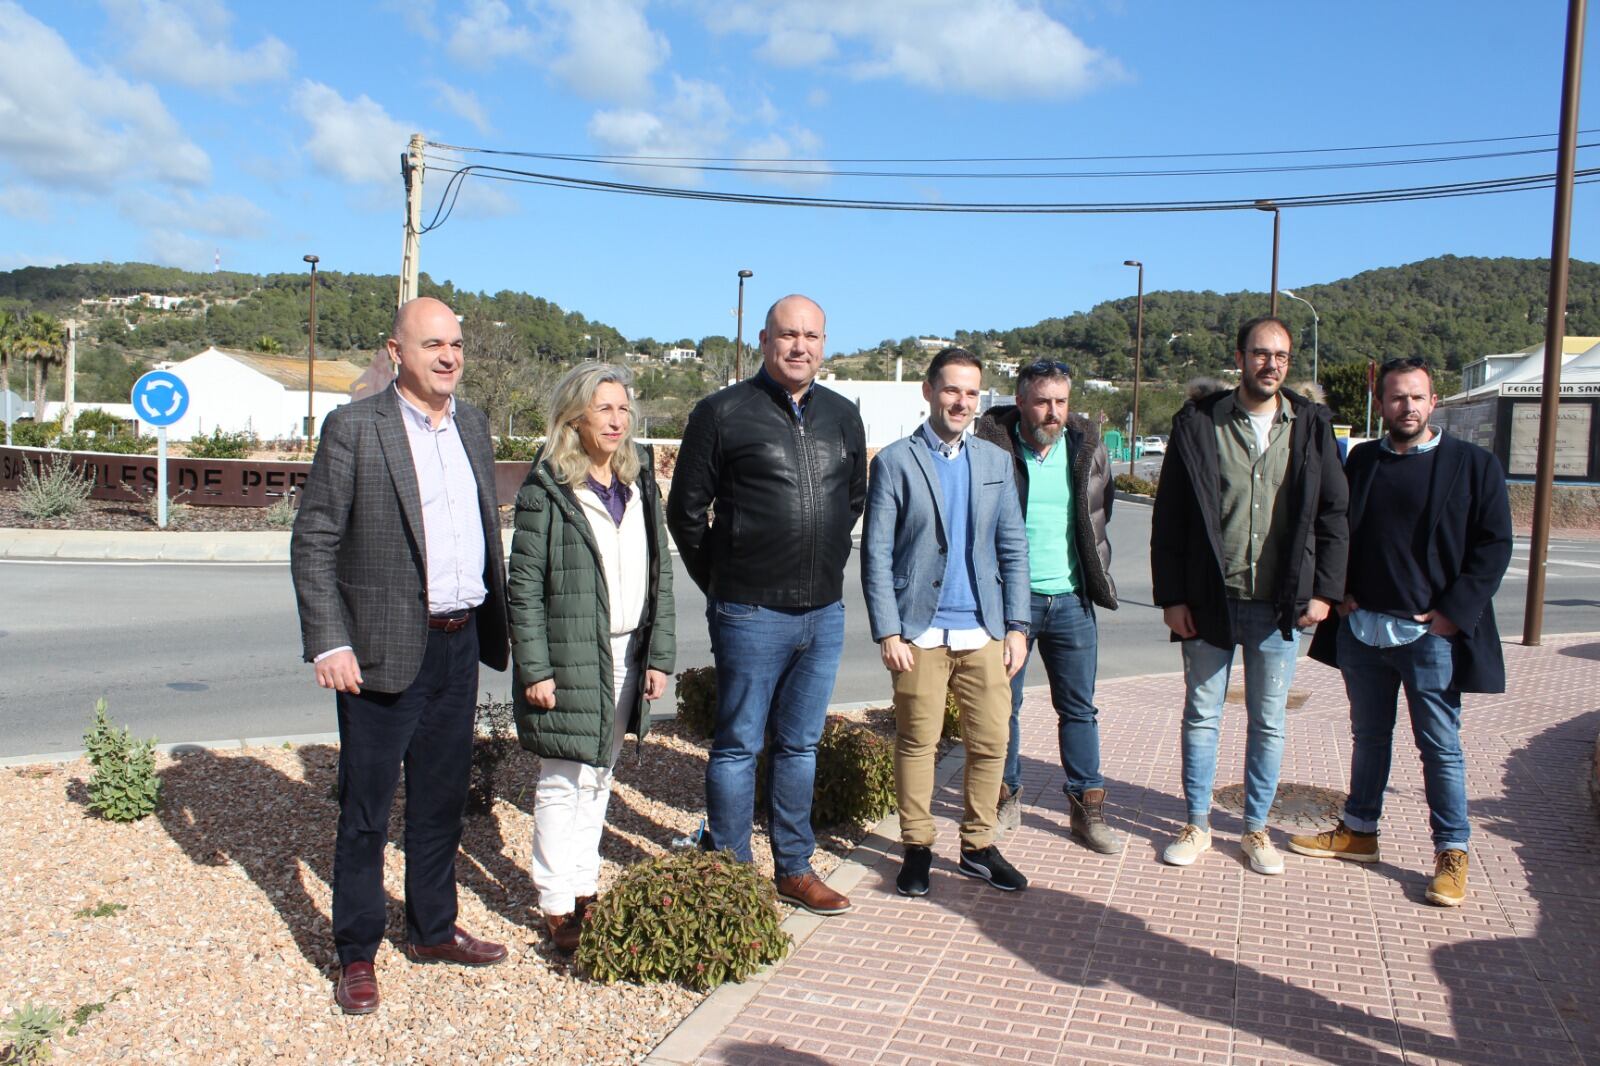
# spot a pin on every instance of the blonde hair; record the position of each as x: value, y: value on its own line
x: 563, y: 448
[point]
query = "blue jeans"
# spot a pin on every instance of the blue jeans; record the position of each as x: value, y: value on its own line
x: 1064, y: 628
x: 1269, y: 662
x: 1372, y: 679
x: 775, y: 673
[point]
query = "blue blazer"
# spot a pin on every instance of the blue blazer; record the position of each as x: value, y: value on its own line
x: 903, y: 542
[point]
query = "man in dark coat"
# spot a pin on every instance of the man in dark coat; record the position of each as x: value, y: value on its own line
x: 1247, y: 546
x: 1430, y: 539
x: 398, y: 569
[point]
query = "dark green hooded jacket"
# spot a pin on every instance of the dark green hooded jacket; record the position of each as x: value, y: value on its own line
x: 559, y: 608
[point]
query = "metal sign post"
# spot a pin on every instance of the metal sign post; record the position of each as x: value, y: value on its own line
x: 160, y: 398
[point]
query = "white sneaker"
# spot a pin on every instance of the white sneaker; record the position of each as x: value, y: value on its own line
x: 1192, y: 840
x: 1264, y: 858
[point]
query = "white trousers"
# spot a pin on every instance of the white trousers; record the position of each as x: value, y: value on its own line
x: 569, y: 811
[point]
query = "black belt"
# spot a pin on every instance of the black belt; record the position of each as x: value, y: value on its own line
x: 450, y: 623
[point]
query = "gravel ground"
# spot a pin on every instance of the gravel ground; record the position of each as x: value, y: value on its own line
x: 223, y: 952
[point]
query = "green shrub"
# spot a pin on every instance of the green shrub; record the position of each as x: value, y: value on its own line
x: 28, y: 1031
x: 125, y: 444
x: 517, y: 449
x: 693, y: 917
x: 26, y: 433
x: 97, y: 421
x: 281, y: 512
x: 951, y: 730
x: 222, y: 445
x: 56, y: 491
x: 697, y: 699
x: 855, y: 775
x: 124, y: 786
x: 1136, y: 486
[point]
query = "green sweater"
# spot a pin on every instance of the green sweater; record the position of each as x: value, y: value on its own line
x: 561, y: 626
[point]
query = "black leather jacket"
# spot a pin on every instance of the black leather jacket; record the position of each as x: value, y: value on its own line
x: 762, y: 504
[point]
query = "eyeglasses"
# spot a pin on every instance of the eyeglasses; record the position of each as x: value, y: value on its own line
x: 1045, y: 366
x: 1266, y: 355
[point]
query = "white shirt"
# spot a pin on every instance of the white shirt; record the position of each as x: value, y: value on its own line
x: 624, y: 556
x: 452, y: 525
x: 954, y: 639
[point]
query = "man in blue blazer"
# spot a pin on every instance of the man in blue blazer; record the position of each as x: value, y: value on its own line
x: 945, y: 570
x: 1430, y: 540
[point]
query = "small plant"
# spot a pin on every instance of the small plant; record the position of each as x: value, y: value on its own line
x: 516, y: 449
x: 697, y: 699
x: 29, y: 1030
x: 855, y: 775
x: 693, y: 917
x: 178, y: 512
x: 951, y: 730
x: 26, y: 433
x: 125, y: 444
x: 124, y: 786
x: 55, y: 490
x: 94, y: 420
x: 492, y: 743
x: 101, y: 910
x: 1136, y: 486
x: 281, y: 512
x: 221, y: 445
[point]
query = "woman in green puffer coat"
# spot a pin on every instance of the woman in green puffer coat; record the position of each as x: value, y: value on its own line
x: 592, y: 640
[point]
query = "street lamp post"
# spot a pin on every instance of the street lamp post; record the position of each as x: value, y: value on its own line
x: 311, y: 356
x: 1268, y: 205
x: 738, y: 344
x: 1315, y: 322
x: 1138, y: 352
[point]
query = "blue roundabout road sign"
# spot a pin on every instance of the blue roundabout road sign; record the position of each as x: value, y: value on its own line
x: 160, y: 398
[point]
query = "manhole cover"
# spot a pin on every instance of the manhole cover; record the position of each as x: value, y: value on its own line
x: 187, y: 686
x: 1296, y: 806
x: 1296, y: 699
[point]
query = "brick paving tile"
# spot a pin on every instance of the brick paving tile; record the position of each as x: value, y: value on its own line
x: 1122, y: 959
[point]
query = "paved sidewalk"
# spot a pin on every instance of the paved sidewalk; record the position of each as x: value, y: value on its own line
x: 1120, y: 959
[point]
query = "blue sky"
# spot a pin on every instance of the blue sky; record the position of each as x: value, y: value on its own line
x: 166, y: 130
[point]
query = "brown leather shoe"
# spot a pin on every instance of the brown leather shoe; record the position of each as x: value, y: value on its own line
x: 807, y: 892
x: 564, y: 931
x: 357, y: 990
x: 464, y: 950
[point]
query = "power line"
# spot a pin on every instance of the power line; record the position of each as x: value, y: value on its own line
x: 1395, y: 195
x: 589, y: 157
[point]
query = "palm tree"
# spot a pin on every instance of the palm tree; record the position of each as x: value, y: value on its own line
x: 10, y: 344
x: 44, y: 338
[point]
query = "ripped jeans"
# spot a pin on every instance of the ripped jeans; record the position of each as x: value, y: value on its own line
x: 1269, y: 662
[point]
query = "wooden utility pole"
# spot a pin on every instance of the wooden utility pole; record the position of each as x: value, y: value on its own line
x: 411, y: 168
x: 1555, y: 326
x: 69, y: 378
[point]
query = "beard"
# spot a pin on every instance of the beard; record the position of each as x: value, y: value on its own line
x: 1259, y: 390
x: 1043, y: 435
x: 1402, y: 436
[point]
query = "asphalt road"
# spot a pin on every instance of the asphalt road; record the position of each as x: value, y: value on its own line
x: 202, y: 652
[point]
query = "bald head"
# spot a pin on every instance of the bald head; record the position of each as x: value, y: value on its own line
x: 426, y: 347
x: 792, y: 342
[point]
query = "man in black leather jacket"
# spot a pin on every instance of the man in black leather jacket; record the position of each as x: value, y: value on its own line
x: 770, y: 480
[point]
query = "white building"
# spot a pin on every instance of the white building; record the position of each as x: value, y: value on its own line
x: 680, y: 355
x: 251, y: 392
x: 893, y: 409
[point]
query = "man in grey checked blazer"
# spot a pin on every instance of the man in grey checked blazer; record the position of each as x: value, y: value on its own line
x: 398, y: 569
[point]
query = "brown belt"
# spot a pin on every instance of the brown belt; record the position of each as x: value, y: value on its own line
x: 450, y: 623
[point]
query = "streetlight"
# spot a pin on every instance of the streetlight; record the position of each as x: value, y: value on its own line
x: 1138, y: 351
x: 738, y: 344
x: 1268, y: 205
x: 1315, y: 321
x: 311, y: 355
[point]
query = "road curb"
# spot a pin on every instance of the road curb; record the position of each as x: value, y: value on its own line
x: 102, y: 545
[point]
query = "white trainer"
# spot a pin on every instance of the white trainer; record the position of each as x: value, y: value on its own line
x: 1192, y: 840
x: 1264, y: 858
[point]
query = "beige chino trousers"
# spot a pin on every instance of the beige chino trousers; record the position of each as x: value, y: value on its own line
x: 983, y: 695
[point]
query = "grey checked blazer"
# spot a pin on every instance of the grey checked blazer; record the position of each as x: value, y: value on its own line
x: 357, y: 555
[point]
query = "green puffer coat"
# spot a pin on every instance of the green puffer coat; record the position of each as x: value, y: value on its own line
x: 561, y: 620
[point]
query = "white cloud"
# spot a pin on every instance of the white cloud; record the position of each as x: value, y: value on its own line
x: 25, y: 203
x: 355, y: 140
x: 186, y: 42
x: 788, y: 152
x: 996, y: 48
x: 416, y: 14
x: 18, y: 260
x: 463, y: 103
x: 696, y: 121
x: 486, y: 33
x: 224, y: 216
x: 167, y: 247
x: 64, y: 123
x: 608, y: 50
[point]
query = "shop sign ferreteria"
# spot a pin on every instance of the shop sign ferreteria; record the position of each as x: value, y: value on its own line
x: 1536, y: 388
